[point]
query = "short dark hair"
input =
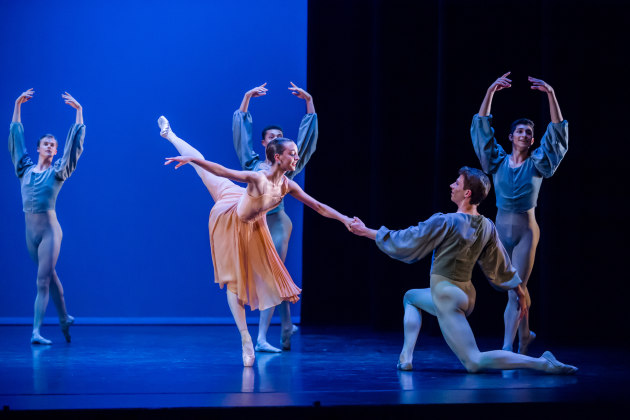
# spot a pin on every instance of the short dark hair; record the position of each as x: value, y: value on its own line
x: 523, y: 121
x: 477, y: 182
x: 271, y: 127
x: 276, y: 147
x: 46, y: 136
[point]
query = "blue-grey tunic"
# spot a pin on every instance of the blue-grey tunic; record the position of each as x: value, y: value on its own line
x: 517, y: 188
x: 458, y: 241
x: 40, y: 189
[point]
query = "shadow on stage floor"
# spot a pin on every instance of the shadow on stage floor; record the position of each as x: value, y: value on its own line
x: 196, y: 371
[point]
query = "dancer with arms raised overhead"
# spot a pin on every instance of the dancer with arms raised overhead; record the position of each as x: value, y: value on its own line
x: 40, y: 184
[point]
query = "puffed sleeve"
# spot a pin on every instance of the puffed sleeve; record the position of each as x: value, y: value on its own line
x: 489, y: 152
x: 414, y: 243
x: 19, y: 155
x: 242, y: 137
x: 553, y: 146
x: 71, y: 152
x: 495, y: 263
x: 306, y: 142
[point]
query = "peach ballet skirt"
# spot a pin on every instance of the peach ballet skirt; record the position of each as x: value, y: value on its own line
x: 244, y: 256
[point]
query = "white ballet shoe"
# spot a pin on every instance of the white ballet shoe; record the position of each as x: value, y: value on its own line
x: 523, y: 345
x: 556, y: 367
x: 248, y: 352
x: 38, y: 339
x: 65, y: 327
x: 267, y: 348
x: 165, y: 127
x: 294, y: 329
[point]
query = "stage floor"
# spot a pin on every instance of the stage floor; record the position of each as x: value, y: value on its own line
x: 157, y: 367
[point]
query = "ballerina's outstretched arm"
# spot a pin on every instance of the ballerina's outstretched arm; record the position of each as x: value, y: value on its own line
x: 321, y: 208
x: 253, y: 179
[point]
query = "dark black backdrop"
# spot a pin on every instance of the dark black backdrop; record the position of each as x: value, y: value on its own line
x: 396, y: 84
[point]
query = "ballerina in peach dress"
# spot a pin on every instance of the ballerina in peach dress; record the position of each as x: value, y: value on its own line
x: 244, y: 256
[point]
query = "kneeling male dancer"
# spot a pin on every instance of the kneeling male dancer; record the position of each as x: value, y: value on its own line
x: 458, y: 240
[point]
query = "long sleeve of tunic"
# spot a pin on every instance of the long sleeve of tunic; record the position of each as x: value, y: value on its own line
x: 40, y: 189
x: 19, y: 156
x: 517, y: 188
x: 250, y: 160
x: 242, y: 138
x: 487, y: 149
x: 458, y: 241
x: 553, y: 147
x: 72, y: 150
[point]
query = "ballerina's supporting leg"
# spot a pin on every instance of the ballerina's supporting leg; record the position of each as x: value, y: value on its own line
x: 238, y: 312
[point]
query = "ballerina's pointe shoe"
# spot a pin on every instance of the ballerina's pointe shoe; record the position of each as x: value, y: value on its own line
x: 38, y: 339
x: 165, y: 127
x: 65, y: 327
x: 556, y: 367
x: 248, y: 352
x: 523, y: 345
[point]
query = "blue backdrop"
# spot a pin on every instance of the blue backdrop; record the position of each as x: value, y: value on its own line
x: 135, y: 244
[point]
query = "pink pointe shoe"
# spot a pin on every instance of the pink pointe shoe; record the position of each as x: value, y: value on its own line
x: 249, y: 356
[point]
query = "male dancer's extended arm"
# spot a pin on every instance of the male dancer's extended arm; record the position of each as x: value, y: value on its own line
x: 17, y: 148
x: 74, y: 142
x: 309, y: 130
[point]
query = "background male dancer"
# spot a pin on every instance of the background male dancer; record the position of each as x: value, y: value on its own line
x: 517, y: 179
x: 40, y: 184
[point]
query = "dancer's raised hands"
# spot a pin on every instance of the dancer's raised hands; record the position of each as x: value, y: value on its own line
x: 17, y: 109
x: 501, y: 83
x: 25, y: 96
x: 68, y: 99
x: 257, y: 91
x: 540, y: 85
x: 299, y: 92
x: 302, y: 94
